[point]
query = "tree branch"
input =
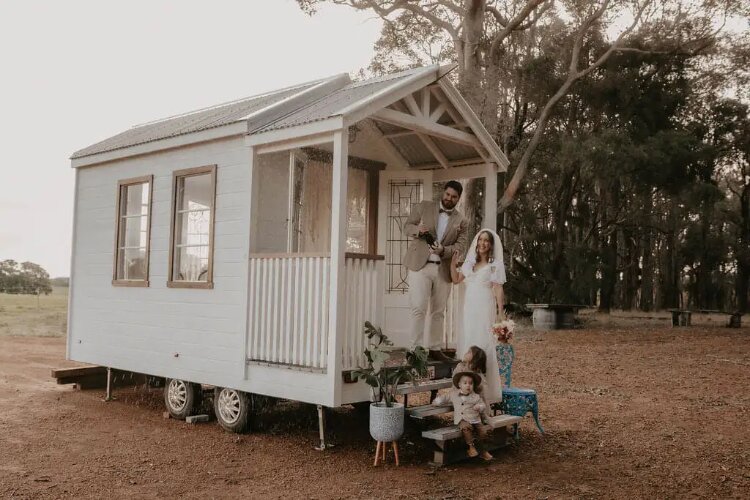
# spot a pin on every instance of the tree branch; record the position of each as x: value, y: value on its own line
x: 573, y: 75
x: 383, y: 10
x: 501, y: 19
x: 616, y: 44
x: 513, y: 24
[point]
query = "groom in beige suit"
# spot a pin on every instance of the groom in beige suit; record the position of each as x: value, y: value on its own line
x: 429, y: 265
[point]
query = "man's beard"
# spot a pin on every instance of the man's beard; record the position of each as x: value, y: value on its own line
x: 448, y: 204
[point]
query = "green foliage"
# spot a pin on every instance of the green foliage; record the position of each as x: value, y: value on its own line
x: 638, y: 194
x: 24, y: 278
x: 384, y: 379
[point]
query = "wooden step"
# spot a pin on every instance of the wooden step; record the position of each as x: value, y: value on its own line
x: 453, y: 432
x: 95, y: 377
x: 78, y: 371
x: 424, y: 386
x: 424, y: 411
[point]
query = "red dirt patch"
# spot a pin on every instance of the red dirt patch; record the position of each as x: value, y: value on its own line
x: 628, y: 413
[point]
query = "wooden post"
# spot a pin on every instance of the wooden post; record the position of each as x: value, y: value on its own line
x: 490, y: 197
x: 337, y: 304
x: 250, y: 209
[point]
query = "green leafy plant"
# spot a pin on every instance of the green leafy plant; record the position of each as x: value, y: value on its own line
x: 384, y: 379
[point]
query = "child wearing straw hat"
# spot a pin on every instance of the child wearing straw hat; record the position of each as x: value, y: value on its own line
x: 468, y: 407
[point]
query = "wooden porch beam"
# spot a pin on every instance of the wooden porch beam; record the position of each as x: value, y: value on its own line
x: 435, y: 115
x: 465, y: 172
x: 425, y: 126
x: 426, y: 102
x: 400, y: 160
x: 434, y: 149
x: 451, y: 164
x: 400, y: 133
x: 426, y: 139
x: 455, y: 116
x: 411, y: 103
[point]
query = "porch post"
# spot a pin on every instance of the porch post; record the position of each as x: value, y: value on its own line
x: 490, y: 197
x: 337, y: 306
x: 250, y: 210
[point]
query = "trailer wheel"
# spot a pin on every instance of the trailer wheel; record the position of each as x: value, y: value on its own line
x: 181, y: 398
x: 232, y: 408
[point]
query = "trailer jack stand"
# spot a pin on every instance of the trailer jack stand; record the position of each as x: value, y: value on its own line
x: 322, y: 429
x: 109, y: 396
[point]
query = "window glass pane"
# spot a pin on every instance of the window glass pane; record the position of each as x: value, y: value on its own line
x: 192, y: 228
x: 294, y: 212
x: 195, y: 192
x: 133, y: 231
x: 315, y: 213
x: 402, y: 194
x: 191, y: 264
x: 356, y: 217
x: 135, y: 199
x: 269, y: 226
x: 131, y: 264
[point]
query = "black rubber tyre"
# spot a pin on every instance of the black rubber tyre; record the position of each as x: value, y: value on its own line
x: 232, y: 409
x: 181, y: 398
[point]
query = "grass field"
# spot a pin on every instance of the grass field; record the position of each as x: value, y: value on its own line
x: 21, y: 314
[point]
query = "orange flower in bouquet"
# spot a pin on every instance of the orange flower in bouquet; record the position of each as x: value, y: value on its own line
x: 503, y: 331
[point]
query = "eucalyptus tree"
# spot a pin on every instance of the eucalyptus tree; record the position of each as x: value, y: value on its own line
x: 489, y: 39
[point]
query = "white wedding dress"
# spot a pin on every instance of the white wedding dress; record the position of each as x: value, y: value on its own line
x: 479, y: 314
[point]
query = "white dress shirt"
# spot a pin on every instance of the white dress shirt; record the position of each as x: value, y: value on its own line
x: 442, y: 225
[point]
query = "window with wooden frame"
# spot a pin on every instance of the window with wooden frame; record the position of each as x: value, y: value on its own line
x: 132, y: 231
x: 192, y: 232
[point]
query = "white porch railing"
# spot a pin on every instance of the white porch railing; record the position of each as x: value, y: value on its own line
x: 364, y: 281
x: 288, y: 309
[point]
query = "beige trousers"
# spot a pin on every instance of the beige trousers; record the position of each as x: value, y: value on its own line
x: 427, y: 288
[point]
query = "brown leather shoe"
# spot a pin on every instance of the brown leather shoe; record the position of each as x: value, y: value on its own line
x: 437, y: 355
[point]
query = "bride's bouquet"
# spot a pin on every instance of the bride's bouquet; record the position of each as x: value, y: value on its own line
x: 503, y: 331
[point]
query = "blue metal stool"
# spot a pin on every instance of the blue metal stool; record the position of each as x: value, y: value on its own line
x: 516, y: 401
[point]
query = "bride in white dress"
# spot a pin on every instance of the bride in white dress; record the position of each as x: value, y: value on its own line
x: 483, y: 272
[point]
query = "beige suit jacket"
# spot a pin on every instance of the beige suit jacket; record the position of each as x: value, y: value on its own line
x: 454, y: 238
x: 463, y: 406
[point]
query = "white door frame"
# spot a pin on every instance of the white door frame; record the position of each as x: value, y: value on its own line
x: 396, y: 310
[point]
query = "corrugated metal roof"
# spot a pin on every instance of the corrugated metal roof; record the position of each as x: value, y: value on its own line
x: 333, y: 103
x: 203, y: 119
x: 295, y: 106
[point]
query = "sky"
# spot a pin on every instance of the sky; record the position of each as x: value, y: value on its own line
x: 75, y: 72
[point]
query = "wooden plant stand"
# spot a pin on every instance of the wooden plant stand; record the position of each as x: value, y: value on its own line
x: 381, y: 449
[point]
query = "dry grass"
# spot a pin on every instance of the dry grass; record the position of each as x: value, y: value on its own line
x: 21, y: 315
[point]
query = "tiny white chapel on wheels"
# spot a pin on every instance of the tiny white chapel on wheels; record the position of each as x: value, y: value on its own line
x: 243, y: 246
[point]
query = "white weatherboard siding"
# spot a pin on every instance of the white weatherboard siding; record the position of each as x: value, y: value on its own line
x: 193, y: 334
x: 141, y: 329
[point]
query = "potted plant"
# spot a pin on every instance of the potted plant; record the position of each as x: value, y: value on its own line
x: 384, y: 375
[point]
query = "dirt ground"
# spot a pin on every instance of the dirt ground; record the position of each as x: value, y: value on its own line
x: 629, y: 411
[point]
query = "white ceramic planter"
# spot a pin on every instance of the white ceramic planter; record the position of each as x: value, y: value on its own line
x: 386, y: 424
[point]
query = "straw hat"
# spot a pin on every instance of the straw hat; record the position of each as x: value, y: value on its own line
x: 474, y: 376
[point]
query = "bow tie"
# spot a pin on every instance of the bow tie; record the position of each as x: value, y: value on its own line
x: 443, y: 211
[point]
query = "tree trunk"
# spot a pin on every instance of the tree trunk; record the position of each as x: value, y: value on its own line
x: 670, y: 266
x: 742, y: 281
x: 609, y: 197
